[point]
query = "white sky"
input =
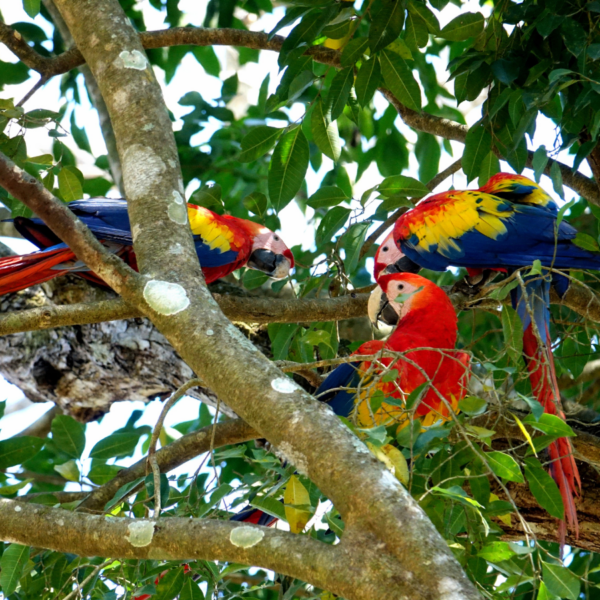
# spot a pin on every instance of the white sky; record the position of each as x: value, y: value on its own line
x: 190, y: 76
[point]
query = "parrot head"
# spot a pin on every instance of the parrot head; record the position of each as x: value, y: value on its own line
x: 269, y: 253
x: 399, y: 294
x: 516, y: 188
x: 390, y: 259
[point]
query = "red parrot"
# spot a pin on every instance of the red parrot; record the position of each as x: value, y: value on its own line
x: 507, y: 224
x: 223, y: 244
x: 425, y: 318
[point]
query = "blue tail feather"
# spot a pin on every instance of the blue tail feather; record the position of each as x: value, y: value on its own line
x: 537, y: 288
x: 341, y: 401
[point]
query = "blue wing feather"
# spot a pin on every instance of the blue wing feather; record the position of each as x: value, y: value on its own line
x: 341, y: 402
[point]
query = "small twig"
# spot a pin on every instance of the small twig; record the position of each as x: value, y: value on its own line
x: 152, y: 463
x: 88, y: 579
x: 39, y: 83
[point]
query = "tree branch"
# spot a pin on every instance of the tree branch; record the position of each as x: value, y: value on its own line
x: 172, y: 456
x: 198, y: 36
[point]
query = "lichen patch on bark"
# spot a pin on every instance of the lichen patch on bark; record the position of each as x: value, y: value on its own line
x: 132, y: 60
x: 142, y: 170
x: 245, y: 536
x: 140, y: 533
x: 166, y: 298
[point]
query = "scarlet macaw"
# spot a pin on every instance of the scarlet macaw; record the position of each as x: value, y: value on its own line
x: 223, y: 244
x: 507, y: 224
x: 425, y: 319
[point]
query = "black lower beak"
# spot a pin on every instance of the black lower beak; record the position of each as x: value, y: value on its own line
x: 403, y: 265
x: 266, y: 261
x: 386, y: 312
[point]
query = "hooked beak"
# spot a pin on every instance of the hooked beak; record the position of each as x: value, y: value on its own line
x: 380, y: 309
x: 402, y: 265
x: 274, y: 265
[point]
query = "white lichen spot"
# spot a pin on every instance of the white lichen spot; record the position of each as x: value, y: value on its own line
x: 296, y: 458
x: 133, y: 60
x: 140, y: 533
x: 135, y: 231
x: 408, y: 576
x: 389, y: 481
x: 61, y: 522
x: 93, y: 40
x: 440, y: 559
x: 177, y: 197
x: 17, y: 35
x: 120, y: 100
x: 166, y: 298
x: 177, y: 248
x: 245, y: 536
x: 18, y: 509
x: 284, y: 385
x: 148, y: 127
x: 450, y: 589
x: 210, y: 332
x: 142, y: 170
x: 177, y: 213
x: 172, y: 163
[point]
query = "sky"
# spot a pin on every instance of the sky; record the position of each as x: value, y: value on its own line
x: 189, y: 75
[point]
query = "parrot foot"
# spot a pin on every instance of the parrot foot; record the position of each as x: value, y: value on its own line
x: 472, y: 286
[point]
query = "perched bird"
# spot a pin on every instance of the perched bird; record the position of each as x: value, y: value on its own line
x: 223, y: 244
x: 507, y: 224
x: 425, y: 318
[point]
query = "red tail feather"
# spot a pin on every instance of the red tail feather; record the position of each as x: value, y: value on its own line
x: 562, y: 467
x: 20, y: 272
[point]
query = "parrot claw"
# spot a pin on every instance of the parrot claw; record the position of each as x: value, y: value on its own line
x: 472, y: 286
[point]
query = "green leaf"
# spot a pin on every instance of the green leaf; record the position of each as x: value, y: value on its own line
x: 191, y: 590
x: 252, y: 279
x: 557, y: 181
x: 561, y: 581
x: 325, y: 133
x: 500, y: 101
x: 15, y: 451
x: 543, y: 593
x: 368, y: 80
x: 428, y: 153
x: 270, y: 506
x: 463, y: 27
x: 353, y: 242
x: 69, y: 186
x: 430, y: 20
x: 415, y: 397
x: 339, y: 92
x: 490, y: 165
x: 504, y: 466
x: 473, y: 406
x: 79, y: 135
x: 68, y: 435
x: 68, y: 470
x: 353, y: 51
x: 512, y: 327
x: 115, y: 445
x: 326, y: 197
x: 544, y: 488
x: 256, y: 203
x: 563, y: 210
x: 258, y: 142
x: 399, y: 79
x: 281, y: 336
x: 12, y: 563
x: 587, y: 242
x: 208, y: 196
x: 477, y: 146
x: 400, y: 185
x: 170, y: 585
x: 306, y: 31
x: 386, y: 24
x: 456, y: 493
x: 550, y: 425
x: 331, y: 223
x: 216, y: 497
x: 165, y: 490
x: 32, y: 8
x: 540, y: 160
x: 287, y: 168
x: 9, y: 490
x: 337, y: 31
x: 417, y: 34
x: 102, y: 473
x: 496, y: 552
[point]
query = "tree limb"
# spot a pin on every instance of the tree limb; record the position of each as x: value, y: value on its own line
x: 177, y: 36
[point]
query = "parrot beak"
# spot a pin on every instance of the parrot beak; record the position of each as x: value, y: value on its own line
x: 402, y: 265
x: 380, y: 309
x: 274, y: 265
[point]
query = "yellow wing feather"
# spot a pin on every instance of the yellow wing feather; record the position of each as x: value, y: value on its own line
x: 216, y: 235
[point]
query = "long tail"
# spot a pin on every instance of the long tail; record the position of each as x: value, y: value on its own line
x: 540, y: 364
x: 20, y: 272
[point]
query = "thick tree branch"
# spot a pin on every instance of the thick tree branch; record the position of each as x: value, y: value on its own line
x: 248, y: 310
x: 300, y: 556
x: 178, y: 36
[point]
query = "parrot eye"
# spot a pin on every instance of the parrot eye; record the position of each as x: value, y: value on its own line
x: 275, y: 238
x: 385, y: 249
x: 400, y: 286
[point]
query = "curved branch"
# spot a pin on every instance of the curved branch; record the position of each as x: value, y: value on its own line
x: 198, y: 36
x: 172, y: 456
